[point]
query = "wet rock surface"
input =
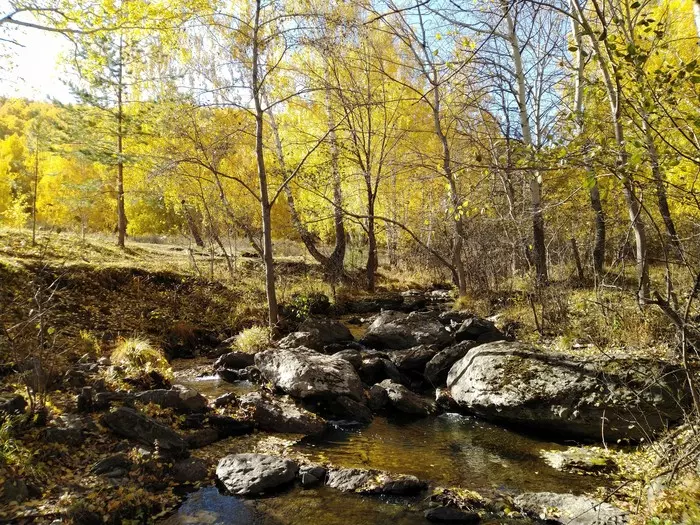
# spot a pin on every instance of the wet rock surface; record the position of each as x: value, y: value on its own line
x: 567, y: 509
x: 303, y: 373
x: 405, y: 401
x: 252, y: 474
x: 398, y: 331
x: 281, y: 415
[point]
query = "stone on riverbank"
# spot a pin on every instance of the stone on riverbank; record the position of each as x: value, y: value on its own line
x: 519, y: 385
x: 303, y: 373
x: 252, y: 474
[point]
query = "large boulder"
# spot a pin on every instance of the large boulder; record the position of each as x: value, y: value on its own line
x: 309, y: 339
x: 330, y: 331
x: 129, y: 423
x: 251, y: 474
x: 398, y: 331
x: 413, y: 359
x: 179, y: 397
x: 303, y: 373
x: 567, y: 509
x: 478, y: 329
x: 234, y: 361
x: 281, y: 415
x: 589, y: 399
x: 405, y: 401
x: 352, y: 356
x: 437, y: 368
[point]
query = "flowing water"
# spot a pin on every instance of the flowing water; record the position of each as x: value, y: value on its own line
x: 448, y: 450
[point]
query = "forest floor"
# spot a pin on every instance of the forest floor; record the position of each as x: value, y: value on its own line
x: 177, y: 296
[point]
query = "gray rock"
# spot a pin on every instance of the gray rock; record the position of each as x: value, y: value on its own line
x: 412, y: 359
x: 112, y: 466
x: 438, y: 367
x: 250, y: 474
x: 303, y: 373
x: 63, y: 436
x: 398, y: 331
x: 476, y: 328
x: 451, y: 515
x: 129, y: 423
x: 373, y: 482
x: 85, y: 401
x: 354, y: 357
x: 454, y: 318
x: 378, y: 398
x: 579, y: 459
x: 310, y: 475
x: 444, y: 400
x: 202, y: 438
x: 405, y: 401
x: 105, y: 399
x: 190, y: 470
x: 77, y: 422
x: 348, y: 479
x: 11, y: 404
x: 372, y: 370
x: 347, y: 408
x: 281, y: 415
x: 179, y: 397
x: 516, y: 384
x: 567, y: 509
x: 234, y: 361
x: 310, y: 339
x: 403, y: 485
x: 227, y: 399
x: 330, y: 331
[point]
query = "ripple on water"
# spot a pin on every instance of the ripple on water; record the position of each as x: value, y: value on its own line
x: 449, y: 450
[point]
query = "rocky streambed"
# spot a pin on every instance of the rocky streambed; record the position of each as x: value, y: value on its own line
x: 427, y: 416
x: 416, y: 415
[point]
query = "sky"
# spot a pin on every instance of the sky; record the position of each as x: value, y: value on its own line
x: 35, y: 72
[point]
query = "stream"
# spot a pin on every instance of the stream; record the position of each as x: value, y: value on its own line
x: 449, y: 450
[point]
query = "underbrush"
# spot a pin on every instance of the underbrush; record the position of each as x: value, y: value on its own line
x: 137, y: 362
x: 252, y: 340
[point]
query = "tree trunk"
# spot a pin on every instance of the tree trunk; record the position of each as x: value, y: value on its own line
x: 599, y: 221
x: 36, y: 189
x: 696, y: 11
x: 336, y: 261
x: 265, y: 206
x: 192, y: 225
x: 334, y: 264
x: 372, y: 259
x: 613, y: 88
x: 660, y: 185
x: 577, y: 259
x: 594, y: 189
x: 539, y: 251
x: 121, y: 210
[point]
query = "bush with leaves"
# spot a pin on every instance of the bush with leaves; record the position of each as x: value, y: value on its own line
x: 252, y: 340
x: 137, y: 362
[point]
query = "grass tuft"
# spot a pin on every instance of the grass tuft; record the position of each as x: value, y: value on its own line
x: 252, y: 340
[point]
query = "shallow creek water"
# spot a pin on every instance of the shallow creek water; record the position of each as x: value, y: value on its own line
x: 448, y: 450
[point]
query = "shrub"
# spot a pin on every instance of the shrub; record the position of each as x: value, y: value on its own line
x: 141, y: 363
x: 252, y: 340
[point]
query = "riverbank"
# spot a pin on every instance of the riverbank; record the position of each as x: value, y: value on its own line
x: 81, y: 461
